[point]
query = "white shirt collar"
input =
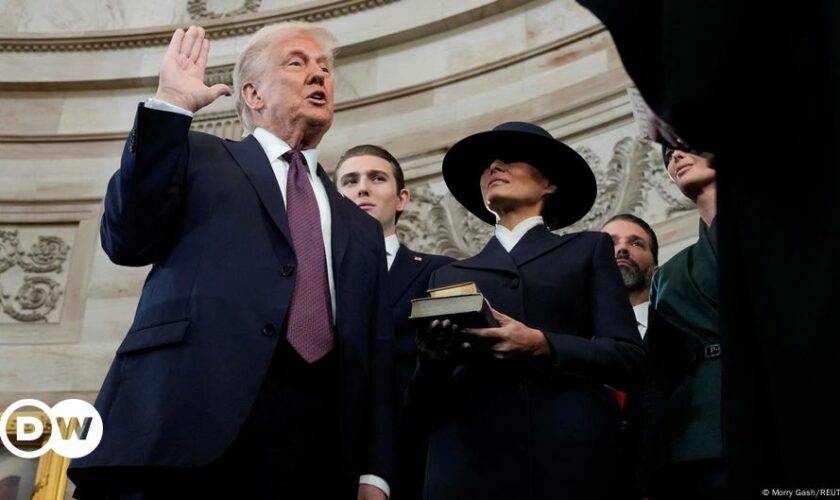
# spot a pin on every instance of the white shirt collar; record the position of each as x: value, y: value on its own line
x: 509, y: 238
x: 641, y: 312
x: 392, y: 245
x: 276, y: 147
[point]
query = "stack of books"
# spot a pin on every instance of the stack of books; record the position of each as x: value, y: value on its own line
x: 463, y: 305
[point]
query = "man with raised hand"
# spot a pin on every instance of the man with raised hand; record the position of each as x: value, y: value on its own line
x: 253, y: 368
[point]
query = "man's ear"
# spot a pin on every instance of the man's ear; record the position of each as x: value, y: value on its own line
x: 403, y: 199
x: 550, y: 189
x: 251, y: 96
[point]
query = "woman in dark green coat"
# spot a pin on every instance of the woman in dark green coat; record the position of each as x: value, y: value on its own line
x: 682, y: 447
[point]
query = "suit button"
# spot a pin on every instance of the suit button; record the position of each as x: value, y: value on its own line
x: 287, y: 270
x: 269, y: 329
x: 623, y: 425
x: 514, y: 283
x: 520, y: 449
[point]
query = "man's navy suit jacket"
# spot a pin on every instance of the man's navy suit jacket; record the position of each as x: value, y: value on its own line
x: 408, y: 279
x: 209, y: 215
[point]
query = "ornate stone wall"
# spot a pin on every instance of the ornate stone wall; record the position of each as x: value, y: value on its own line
x: 37, y: 275
x: 414, y: 76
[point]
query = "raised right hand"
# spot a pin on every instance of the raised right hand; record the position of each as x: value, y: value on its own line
x: 181, y: 80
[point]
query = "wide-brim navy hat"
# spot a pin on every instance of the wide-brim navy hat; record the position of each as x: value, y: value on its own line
x: 518, y: 141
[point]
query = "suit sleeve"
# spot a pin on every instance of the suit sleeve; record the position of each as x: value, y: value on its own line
x: 143, y: 197
x: 614, y: 353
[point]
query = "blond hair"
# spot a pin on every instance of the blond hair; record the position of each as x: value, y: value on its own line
x: 252, y: 61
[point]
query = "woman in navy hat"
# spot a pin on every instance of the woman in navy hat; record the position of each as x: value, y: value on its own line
x: 532, y: 417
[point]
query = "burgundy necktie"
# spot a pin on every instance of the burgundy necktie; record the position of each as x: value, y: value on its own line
x: 310, y: 329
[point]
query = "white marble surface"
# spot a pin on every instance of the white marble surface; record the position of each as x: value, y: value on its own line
x: 70, y: 16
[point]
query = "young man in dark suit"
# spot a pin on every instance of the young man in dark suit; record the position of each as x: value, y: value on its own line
x: 530, y: 418
x: 373, y: 179
x: 637, y: 256
x: 254, y: 367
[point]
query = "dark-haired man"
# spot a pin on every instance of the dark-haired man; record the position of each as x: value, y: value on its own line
x: 637, y: 256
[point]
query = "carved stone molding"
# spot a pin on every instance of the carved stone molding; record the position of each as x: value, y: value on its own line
x: 632, y: 172
x: 198, y: 10
x: 226, y: 123
x: 217, y: 28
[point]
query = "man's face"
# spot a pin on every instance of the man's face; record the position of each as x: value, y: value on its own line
x: 690, y: 172
x: 633, y: 253
x: 296, y: 88
x: 369, y: 182
x: 513, y: 185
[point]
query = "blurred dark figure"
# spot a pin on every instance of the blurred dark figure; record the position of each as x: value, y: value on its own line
x: 758, y: 85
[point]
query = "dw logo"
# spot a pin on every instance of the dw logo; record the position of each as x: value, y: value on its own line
x: 76, y: 428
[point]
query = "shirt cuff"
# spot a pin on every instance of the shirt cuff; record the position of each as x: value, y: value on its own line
x: 157, y: 104
x: 376, y: 481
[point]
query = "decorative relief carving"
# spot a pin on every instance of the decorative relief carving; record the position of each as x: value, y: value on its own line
x: 198, y: 9
x: 622, y: 184
x: 46, y: 256
x: 9, y: 249
x: 36, y: 296
x: 438, y: 224
x: 219, y: 74
x: 151, y: 38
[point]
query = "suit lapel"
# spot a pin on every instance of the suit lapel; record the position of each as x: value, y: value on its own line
x: 537, y: 242
x: 403, y: 272
x: 252, y: 160
x: 340, y: 234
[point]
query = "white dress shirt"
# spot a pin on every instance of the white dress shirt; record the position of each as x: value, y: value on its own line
x: 641, y: 312
x: 274, y: 148
x: 509, y: 238
x: 392, y: 246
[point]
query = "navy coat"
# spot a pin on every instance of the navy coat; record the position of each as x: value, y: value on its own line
x: 209, y: 215
x: 535, y: 428
x: 408, y: 279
